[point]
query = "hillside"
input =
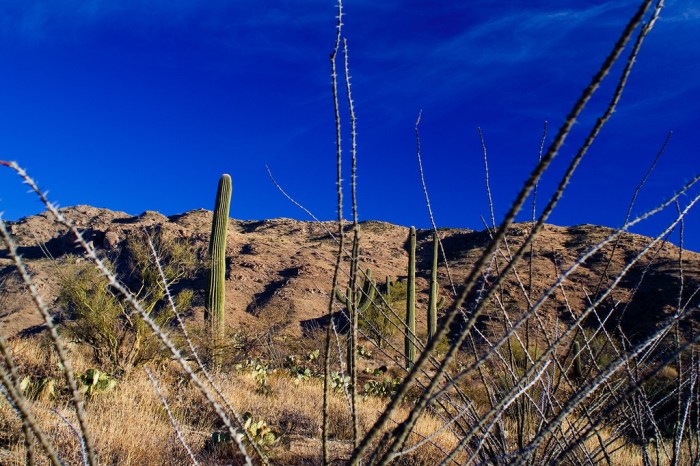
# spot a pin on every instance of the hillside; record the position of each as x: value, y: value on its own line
x: 279, y: 270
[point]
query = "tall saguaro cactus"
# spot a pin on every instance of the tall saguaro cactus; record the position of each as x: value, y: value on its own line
x: 409, y: 344
x: 216, y: 298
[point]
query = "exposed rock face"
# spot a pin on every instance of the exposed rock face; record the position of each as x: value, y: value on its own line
x: 280, y: 270
x: 111, y: 240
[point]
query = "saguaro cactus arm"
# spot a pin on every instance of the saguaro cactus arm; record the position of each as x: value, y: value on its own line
x: 364, y: 297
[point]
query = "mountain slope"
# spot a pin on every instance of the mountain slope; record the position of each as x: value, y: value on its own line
x: 279, y: 270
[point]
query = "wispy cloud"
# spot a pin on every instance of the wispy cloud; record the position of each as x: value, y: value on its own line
x: 526, y: 35
x: 528, y: 49
x: 429, y: 65
x: 491, y: 48
x: 681, y: 11
x: 43, y: 19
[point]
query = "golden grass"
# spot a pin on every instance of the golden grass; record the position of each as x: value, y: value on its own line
x: 624, y: 453
x: 130, y: 426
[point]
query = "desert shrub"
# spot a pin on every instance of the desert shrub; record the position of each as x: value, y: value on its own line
x: 443, y: 346
x: 177, y: 261
x: 378, y: 321
x: 662, y: 391
x: 514, y: 353
x: 601, y: 352
x: 95, y: 317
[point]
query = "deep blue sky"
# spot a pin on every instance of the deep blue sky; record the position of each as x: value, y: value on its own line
x: 143, y: 104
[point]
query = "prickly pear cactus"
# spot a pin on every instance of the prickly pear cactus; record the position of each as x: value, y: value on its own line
x: 94, y: 382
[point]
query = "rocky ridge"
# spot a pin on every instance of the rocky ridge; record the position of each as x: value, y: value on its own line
x: 279, y: 270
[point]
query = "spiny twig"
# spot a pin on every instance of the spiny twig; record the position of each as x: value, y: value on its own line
x: 341, y: 237
x: 76, y: 396
x: 173, y: 422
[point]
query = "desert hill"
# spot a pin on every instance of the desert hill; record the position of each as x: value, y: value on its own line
x: 279, y: 270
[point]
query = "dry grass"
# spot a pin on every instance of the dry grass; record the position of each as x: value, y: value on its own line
x: 130, y: 426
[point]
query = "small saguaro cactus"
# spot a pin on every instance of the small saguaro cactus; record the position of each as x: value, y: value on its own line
x: 363, y: 297
x: 409, y: 344
x: 216, y: 298
x: 433, y: 302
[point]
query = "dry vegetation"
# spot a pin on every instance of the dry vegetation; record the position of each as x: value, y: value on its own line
x: 130, y: 426
x: 556, y: 345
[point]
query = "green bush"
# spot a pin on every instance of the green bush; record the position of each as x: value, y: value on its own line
x: 177, y: 261
x: 378, y: 321
x: 514, y: 353
x: 95, y: 317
